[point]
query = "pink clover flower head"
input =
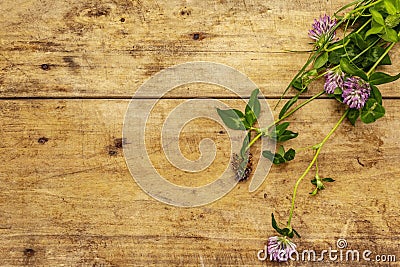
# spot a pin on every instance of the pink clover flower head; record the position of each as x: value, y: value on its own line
x: 356, y: 92
x: 333, y: 80
x: 280, y: 248
x: 322, y: 30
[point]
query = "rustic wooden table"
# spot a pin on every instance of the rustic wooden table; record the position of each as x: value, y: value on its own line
x: 68, y: 71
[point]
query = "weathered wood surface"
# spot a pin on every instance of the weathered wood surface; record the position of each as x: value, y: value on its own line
x: 90, y: 52
x: 67, y: 197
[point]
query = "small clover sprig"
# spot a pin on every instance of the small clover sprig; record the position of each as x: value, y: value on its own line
x: 238, y: 120
x: 349, y: 65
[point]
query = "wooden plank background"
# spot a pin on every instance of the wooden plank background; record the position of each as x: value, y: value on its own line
x: 67, y: 72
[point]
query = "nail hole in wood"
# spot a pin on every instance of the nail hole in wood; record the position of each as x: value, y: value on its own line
x: 28, y: 252
x: 45, y: 67
x: 43, y: 140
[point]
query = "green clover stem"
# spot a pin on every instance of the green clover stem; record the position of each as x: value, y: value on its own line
x: 380, y: 59
x: 363, y: 26
x: 304, y: 148
x: 258, y: 130
x: 297, y: 108
x: 347, y: 6
x: 355, y: 10
x: 364, y: 7
x: 316, y: 168
x: 310, y: 166
x: 348, y: 41
x: 365, y: 50
x: 337, y: 47
x: 309, y: 61
x: 254, y: 140
x: 264, y: 130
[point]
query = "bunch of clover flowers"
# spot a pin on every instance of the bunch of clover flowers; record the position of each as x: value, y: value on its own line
x: 355, y: 91
x: 348, y: 66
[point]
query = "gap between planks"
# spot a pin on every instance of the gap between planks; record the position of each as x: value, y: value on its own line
x: 152, y: 98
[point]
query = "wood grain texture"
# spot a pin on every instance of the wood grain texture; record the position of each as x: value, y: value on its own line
x: 68, y: 198
x: 68, y: 70
x: 109, y: 48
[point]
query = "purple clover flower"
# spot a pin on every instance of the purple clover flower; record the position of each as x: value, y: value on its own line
x: 333, y: 80
x: 280, y: 248
x: 321, y: 30
x: 356, y: 92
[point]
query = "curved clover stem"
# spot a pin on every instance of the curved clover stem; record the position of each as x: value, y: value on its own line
x: 348, y: 5
x: 380, y: 59
x: 297, y: 108
x: 337, y: 47
x: 348, y: 41
x: 365, y: 7
x: 302, y: 70
x: 364, y: 25
x: 263, y: 131
x: 319, y: 147
x: 254, y: 140
x: 316, y: 167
